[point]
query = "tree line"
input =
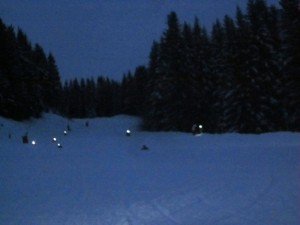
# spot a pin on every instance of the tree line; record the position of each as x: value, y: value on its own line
x: 103, y: 97
x: 242, y: 76
x: 29, y: 79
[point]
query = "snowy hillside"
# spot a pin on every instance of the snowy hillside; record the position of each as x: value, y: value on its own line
x: 100, y: 176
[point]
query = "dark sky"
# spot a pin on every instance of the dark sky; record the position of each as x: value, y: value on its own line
x: 105, y: 37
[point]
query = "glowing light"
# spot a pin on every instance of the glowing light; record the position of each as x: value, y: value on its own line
x: 33, y: 142
x: 59, y: 145
x: 128, y: 133
x: 65, y: 132
x: 54, y: 139
x: 197, y: 129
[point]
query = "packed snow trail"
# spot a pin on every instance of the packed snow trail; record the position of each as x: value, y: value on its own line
x: 102, y: 177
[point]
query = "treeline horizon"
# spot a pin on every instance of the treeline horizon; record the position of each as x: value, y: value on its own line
x: 243, y: 76
x: 29, y: 78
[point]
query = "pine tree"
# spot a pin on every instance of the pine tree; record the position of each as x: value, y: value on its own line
x: 101, y: 92
x: 242, y: 99
x: 152, y: 97
x: 90, y: 98
x: 4, y: 81
x: 141, y: 78
x: 65, y: 100
x: 218, y: 64
x: 166, y: 71
x: 82, y: 99
x: 75, y: 102
x: 170, y: 93
x: 52, y: 85
x: 128, y: 94
x: 173, y: 76
x: 264, y: 67
x: 290, y: 23
x: 133, y: 93
x: 229, y: 89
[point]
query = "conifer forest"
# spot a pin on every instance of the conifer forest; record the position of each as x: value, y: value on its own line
x: 241, y: 76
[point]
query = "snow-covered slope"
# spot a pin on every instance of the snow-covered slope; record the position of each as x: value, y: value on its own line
x: 100, y: 176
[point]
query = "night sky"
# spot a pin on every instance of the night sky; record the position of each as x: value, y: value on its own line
x: 105, y: 37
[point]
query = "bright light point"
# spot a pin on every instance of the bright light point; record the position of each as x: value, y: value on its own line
x: 33, y: 143
x: 65, y: 132
x: 59, y: 145
x: 128, y: 133
x: 200, y: 126
x: 54, y: 139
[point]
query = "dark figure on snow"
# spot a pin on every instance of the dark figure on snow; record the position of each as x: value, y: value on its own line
x: 25, y: 139
x: 145, y: 147
x: 197, y: 129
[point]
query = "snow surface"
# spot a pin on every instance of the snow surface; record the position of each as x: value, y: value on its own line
x: 102, y: 177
